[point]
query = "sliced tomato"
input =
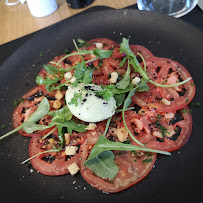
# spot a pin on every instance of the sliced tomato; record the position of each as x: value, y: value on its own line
x: 62, y: 64
x: 101, y: 80
x: 133, y: 167
x: 50, y: 163
x: 142, y: 50
x: 162, y: 131
x: 107, y: 44
x: 29, y: 105
x: 166, y: 99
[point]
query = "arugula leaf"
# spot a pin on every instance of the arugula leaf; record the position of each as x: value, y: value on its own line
x: 52, y: 69
x: 119, y: 99
x: 80, y: 70
x: 125, y: 48
x: 61, y: 115
x: 142, y: 86
x: 123, y: 62
x: 70, y: 125
x: 103, y: 144
x: 127, y: 102
x: 82, y: 43
x: 123, y: 84
x: 119, y: 91
x: 101, y: 53
x: 87, y: 79
x: 103, y: 165
x: 48, y: 82
x: 42, y: 110
x: 32, y: 127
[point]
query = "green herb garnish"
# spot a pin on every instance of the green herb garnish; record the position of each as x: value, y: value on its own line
x: 125, y: 48
x: 147, y: 160
x: 16, y: 103
x: 197, y: 104
x: 30, y: 125
x: 3, y: 126
x: 75, y: 98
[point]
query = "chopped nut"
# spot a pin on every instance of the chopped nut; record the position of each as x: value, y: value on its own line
x: 122, y: 134
x: 114, y: 77
x: 56, y: 104
x: 99, y: 45
x: 51, y: 140
x: 68, y: 75
x: 136, y: 80
x: 71, y: 150
x: 67, y: 138
x: 73, y: 79
x: 58, y: 95
x: 73, y: 168
x: 91, y: 126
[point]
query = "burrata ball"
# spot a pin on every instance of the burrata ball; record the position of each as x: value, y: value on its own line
x: 90, y: 107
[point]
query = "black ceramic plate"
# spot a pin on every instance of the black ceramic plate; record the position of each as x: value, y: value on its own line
x: 175, y: 178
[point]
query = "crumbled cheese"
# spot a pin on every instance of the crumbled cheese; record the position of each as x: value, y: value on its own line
x: 73, y: 79
x: 122, y: 134
x: 99, y: 45
x: 58, y: 95
x: 67, y: 138
x: 114, y: 77
x: 71, y: 150
x: 68, y: 75
x: 166, y: 102
x: 73, y: 168
x: 136, y: 80
x: 91, y: 126
x: 56, y: 104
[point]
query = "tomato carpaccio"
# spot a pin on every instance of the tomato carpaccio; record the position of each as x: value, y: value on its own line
x: 28, y: 105
x: 166, y: 71
x: 133, y: 167
x: 160, y: 119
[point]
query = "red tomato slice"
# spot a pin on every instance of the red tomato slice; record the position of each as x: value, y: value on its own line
x: 132, y: 167
x: 107, y: 44
x: 50, y: 163
x: 162, y: 131
x: 31, y: 100
x: 142, y: 50
x: 101, y: 80
x: 166, y: 71
x: 63, y: 65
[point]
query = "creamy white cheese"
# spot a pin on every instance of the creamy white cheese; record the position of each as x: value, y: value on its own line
x: 91, y: 108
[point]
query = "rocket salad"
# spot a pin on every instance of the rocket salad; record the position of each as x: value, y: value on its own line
x: 106, y: 110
